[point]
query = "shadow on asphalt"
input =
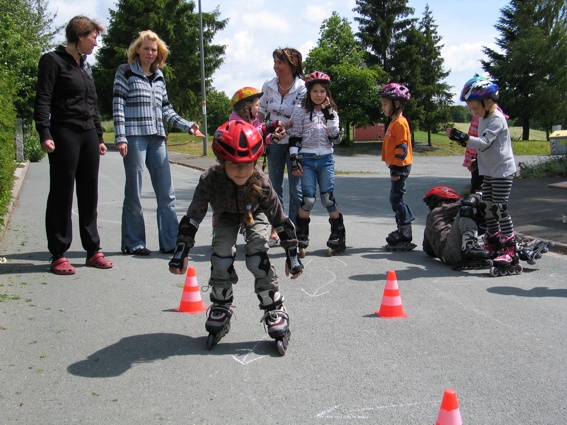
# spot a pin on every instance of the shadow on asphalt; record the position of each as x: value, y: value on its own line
x: 537, y: 292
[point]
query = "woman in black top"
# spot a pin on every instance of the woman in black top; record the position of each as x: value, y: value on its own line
x: 70, y: 131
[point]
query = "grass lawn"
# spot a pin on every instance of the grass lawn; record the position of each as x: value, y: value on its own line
x: 442, y: 146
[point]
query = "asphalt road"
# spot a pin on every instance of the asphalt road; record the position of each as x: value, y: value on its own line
x: 106, y: 347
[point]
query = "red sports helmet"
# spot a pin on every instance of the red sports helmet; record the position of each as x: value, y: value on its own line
x: 238, y: 141
x: 440, y: 193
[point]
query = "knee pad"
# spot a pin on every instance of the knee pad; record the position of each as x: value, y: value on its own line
x: 467, y: 211
x: 270, y: 299
x: 499, y: 211
x: 222, y: 268
x: 307, y: 203
x: 221, y: 295
x: 327, y: 199
x: 259, y: 265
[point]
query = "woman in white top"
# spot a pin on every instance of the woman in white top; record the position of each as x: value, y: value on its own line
x: 281, y: 94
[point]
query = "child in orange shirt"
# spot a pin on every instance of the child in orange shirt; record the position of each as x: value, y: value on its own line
x: 398, y: 155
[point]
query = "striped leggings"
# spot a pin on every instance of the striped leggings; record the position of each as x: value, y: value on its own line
x: 495, y: 194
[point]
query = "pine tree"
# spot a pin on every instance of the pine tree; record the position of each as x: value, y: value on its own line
x: 381, y: 28
x: 531, y: 64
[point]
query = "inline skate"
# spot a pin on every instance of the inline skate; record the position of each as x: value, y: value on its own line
x: 473, y: 256
x: 218, y: 323
x: 507, y: 261
x: 400, y: 239
x: 337, y: 239
x: 276, y: 323
x: 530, y: 251
x: 302, y: 232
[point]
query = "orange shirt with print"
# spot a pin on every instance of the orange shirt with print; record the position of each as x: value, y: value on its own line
x: 396, y: 146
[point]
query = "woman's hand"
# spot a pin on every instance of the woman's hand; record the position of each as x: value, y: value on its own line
x: 122, y: 148
x: 195, y: 131
x: 48, y: 146
x: 102, y: 148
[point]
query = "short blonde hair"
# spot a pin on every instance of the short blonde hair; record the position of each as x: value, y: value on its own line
x: 162, y: 49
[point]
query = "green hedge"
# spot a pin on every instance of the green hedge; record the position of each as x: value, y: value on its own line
x: 7, y: 142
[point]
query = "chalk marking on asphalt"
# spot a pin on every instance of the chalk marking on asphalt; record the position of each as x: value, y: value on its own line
x: 358, y: 413
x: 334, y: 277
x: 246, y: 361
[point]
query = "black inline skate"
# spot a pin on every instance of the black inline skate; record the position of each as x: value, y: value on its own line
x: 507, y: 262
x: 302, y: 232
x: 530, y: 251
x: 276, y: 323
x: 473, y: 256
x: 337, y: 239
x: 400, y: 239
x: 218, y: 323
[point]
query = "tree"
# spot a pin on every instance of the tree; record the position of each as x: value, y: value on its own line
x: 24, y: 35
x: 353, y: 84
x: 531, y: 66
x: 176, y: 22
x: 381, y: 25
x: 429, y: 90
x: 218, y: 109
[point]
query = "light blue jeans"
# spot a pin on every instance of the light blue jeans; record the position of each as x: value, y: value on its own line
x: 318, y: 170
x: 151, y: 151
x: 278, y: 159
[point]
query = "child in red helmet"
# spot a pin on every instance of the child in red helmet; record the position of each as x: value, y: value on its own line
x: 451, y: 231
x: 239, y: 193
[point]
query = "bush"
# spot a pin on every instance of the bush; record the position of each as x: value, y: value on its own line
x: 32, y: 148
x: 7, y: 142
x: 552, y: 167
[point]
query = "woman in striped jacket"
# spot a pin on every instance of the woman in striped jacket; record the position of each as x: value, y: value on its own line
x: 140, y: 108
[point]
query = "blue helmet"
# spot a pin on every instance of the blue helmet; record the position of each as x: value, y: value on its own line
x: 479, y: 88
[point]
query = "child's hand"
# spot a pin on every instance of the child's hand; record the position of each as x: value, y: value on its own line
x: 182, y: 270
x: 394, y: 178
x: 448, y: 131
x: 296, y: 275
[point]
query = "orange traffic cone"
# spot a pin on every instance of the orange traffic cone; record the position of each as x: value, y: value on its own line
x: 449, y: 413
x: 391, y: 306
x: 191, y: 299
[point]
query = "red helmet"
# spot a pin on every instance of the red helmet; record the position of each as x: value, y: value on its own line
x: 317, y: 77
x: 439, y: 193
x: 238, y: 141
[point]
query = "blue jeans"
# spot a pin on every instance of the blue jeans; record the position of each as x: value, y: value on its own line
x: 397, y: 191
x: 151, y: 151
x: 278, y: 158
x: 318, y: 170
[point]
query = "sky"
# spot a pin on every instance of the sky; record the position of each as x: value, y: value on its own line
x: 257, y: 27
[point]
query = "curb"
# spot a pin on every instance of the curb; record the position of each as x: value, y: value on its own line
x: 19, y: 177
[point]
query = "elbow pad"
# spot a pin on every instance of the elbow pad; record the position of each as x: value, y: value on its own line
x: 295, y: 141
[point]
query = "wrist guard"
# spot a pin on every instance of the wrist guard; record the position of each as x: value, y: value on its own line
x: 286, y: 233
x: 295, y: 141
x: 270, y: 126
x: 181, y: 252
x: 459, y: 137
x: 294, y: 163
x: 292, y: 260
x: 328, y: 113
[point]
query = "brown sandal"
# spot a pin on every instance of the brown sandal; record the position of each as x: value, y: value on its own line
x: 61, y: 266
x: 98, y: 261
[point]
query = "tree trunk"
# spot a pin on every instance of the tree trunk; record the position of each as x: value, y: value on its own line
x: 429, y: 139
x: 526, y: 129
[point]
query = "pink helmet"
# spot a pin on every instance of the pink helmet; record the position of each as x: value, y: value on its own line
x: 317, y: 77
x: 395, y: 91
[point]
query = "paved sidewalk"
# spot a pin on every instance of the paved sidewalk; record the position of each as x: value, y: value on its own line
x: 536, y: 209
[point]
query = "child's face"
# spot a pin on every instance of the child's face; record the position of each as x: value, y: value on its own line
x: 239, y: 172
x: 387, y: 106
x: 475, y: 106
x: 255, y: 108
x: 318, y: 94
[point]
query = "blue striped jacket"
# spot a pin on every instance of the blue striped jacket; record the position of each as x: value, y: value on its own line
x: 140, y: 108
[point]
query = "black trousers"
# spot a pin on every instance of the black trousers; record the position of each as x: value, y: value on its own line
x: 76, y: 158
